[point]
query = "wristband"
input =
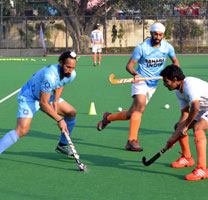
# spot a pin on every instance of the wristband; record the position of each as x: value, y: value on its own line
x: 60, y: 120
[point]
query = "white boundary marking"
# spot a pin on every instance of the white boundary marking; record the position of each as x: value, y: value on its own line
x: 10, y: 95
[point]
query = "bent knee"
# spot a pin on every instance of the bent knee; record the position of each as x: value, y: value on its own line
x: 21, y: 132
x: 140, y: 108
x: 72, y: 113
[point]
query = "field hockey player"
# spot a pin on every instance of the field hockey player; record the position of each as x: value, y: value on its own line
x: 194, y: 92
x: 43, y: 91
x: 150, y: 56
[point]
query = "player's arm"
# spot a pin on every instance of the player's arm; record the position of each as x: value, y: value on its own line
x: 44, y: 99
x: 175, y: 61
x: 91, y: 38
x: 194, y: 110
x: 179, y: 125
x: 130, y: 66
x: 57, y: 95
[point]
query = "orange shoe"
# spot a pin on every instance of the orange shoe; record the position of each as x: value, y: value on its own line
x: 183, y: 162
x: 197, y: 174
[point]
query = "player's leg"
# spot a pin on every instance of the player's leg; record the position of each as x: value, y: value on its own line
x: 99, y: 54
x: 69, y: 113
x: 141, y: 94
x: 94, y: 51
x: 200, y: 140
x: 185, y: 160
x: 108, y: 117
x: 95, y: 59
x: 24, y: 118
x: 136, y: 111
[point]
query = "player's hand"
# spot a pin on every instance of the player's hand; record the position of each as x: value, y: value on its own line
x: 63, y: 126
x: 136, y: 78
x: 169, y: 144
x: 184, y: 131
x: 172, y: 140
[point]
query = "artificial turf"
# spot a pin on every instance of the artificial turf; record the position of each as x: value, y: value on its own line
x: 31, y: 169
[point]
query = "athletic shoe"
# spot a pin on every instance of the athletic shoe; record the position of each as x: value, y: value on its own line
x: 103, y: 123
x: 183, y: 162
x: 133, y: 146
x: 94, y: 64
x: 66, y: 149
x: 197, y: 174
x: 98, y: 64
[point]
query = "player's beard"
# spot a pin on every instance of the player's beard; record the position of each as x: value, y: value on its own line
x: 63, y: 74
x: 155, y: 41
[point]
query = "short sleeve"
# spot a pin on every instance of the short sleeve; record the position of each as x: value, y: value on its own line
x: 171, y: 52
x: 137, y: 54
x: 192, y: 91
x: 47, y: 84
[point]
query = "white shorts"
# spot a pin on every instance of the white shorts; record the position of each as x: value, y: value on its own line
x: 27, y: 109
x: 97, y: 48
x: 202, y: 114
x: 142, y: 88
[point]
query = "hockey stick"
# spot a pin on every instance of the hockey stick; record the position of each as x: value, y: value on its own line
x: 130, y: 80
x: 157, y: 155
x: 81, y: 166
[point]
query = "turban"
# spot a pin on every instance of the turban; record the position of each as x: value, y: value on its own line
x: 157, y: 27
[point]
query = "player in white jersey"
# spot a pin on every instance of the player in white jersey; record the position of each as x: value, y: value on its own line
x: 192, y: 94
x: 150, y: 56
x: 43, y: 91
x: 97, y: 43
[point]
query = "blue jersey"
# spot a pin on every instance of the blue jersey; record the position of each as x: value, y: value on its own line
x: 151, y: 60
x: 46, y: 80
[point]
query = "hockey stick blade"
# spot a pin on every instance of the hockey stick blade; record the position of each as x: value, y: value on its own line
x: 119, y: 81
x: 153, y: 159
x: 157, y: 155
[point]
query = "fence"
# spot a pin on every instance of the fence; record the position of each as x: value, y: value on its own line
x: 186, y: 34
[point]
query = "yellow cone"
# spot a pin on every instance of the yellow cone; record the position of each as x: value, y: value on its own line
x: 92, y: 109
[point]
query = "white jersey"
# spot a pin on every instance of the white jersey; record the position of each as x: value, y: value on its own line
x: 97, y: 37
x: 193, y: 89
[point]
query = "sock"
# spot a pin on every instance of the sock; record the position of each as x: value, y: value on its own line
x: 134, y: 125
x: 201, y: 148
x: 7, y: 140
x: 70, y: 125
x: 184, y: 143
x: 118, y: 116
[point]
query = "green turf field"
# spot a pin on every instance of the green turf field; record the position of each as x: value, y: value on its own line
x: 31, y: 170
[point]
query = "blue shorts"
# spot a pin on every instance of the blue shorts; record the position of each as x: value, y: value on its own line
x: 28, y: 108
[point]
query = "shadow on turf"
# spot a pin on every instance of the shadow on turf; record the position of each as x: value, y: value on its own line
x: 95, y: 160
x: 38, y: 134
x: 41, y: 155
x: 126, y: 129
x: 47, y: 136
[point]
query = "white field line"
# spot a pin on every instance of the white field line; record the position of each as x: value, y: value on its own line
x: 10, y: 95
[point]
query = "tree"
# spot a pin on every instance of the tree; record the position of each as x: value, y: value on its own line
x: 184, y: 30
x: 80, y: 16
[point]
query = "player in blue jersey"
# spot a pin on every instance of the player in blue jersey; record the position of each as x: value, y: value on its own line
x: 43, y: 91
x: 150, y: 56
